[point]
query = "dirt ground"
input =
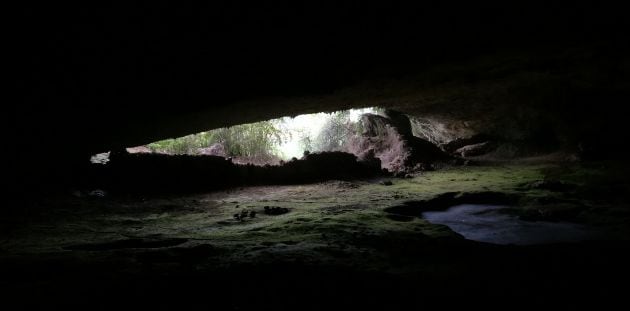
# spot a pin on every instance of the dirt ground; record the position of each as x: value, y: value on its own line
x: 334, y: 243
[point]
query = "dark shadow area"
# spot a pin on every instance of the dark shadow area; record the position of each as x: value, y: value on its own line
x: 159, y: 173
x: 129, y: 243
x: 538, y: 276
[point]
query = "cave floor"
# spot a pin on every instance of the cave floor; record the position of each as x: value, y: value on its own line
x: 329, y: 241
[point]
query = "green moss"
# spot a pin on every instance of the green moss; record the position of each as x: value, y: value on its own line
x: 326, y: 218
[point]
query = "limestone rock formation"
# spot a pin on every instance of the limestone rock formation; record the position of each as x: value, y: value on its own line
x: 390, y: 139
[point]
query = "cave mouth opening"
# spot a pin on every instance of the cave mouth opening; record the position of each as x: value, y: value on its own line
x: 378, y: 138
x: 345, y: 145
x: 270, y: 142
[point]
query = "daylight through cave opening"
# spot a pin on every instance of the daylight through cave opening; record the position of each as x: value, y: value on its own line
x: 346, y: 145
x: 271, y: 141
x: 266, y: 142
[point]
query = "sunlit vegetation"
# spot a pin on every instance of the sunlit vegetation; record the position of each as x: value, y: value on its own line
x: 337, y: 130
x: 246, y: 140
x: 271, y: 140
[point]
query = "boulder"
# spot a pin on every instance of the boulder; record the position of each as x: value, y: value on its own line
x: 392, y: 141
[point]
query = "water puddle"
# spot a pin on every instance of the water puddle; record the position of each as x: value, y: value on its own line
x: 484, y: 223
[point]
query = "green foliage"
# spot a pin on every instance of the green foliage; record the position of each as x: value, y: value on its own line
x: 254, y: 139
x: 262, y: 140
x: 336, y: 131
x: 183, y: 145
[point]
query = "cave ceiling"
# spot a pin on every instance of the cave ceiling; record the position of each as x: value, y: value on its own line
x: 118, y: 76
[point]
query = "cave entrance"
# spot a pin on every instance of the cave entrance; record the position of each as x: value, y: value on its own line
x: 347, y: 144
x: 268, y: 142
x: 343, y: 145
x: 384, y: 138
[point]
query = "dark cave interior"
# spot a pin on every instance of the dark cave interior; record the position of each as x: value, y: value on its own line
x: 497, y: 168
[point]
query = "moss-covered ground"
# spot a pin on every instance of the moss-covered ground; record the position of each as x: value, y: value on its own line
x: 335, y: 234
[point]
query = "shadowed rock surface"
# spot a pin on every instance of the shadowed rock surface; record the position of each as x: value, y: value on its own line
x: 391, y: 140
x: 143, y: 172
